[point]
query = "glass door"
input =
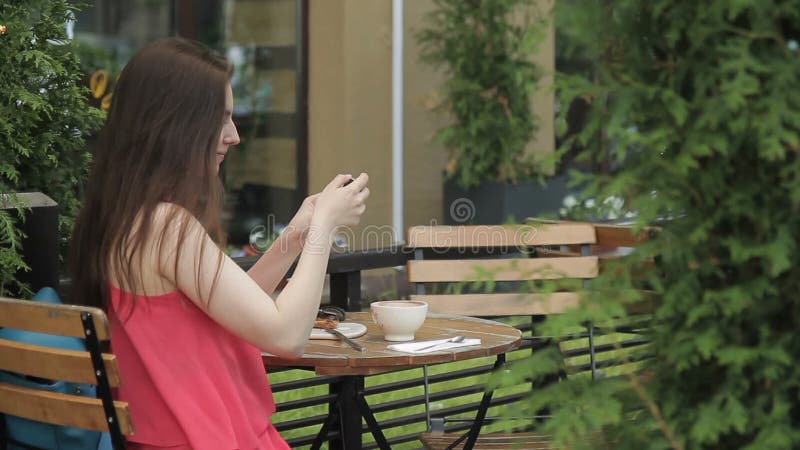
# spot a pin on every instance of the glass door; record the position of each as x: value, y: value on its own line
x: 267, y: 177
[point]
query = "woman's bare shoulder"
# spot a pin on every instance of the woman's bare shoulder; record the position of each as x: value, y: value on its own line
x: 175, y: 223
x: 169, y: 213
x: 164, y: 225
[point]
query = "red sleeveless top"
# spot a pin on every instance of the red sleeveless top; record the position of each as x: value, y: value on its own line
x: 189, y: 382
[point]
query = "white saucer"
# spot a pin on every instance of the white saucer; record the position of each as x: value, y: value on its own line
x: 349, y: 329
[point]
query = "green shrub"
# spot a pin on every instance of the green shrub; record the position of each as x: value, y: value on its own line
x: 485, y: 48
x: 698, y: 103
x: 44, y: 120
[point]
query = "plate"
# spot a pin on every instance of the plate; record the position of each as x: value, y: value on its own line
x: 349, y: 329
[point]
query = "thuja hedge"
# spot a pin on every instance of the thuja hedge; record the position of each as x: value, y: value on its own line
x: 44, y: 121
x: 698, y: 105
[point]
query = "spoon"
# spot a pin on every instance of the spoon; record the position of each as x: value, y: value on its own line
x: 454, y: 339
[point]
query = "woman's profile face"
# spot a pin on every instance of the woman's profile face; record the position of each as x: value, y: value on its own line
x: 229, y: 136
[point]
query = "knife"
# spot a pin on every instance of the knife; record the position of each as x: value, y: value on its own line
x: 346, y: 339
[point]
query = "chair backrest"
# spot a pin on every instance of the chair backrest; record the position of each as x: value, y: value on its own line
x: 532, y: 252
x: 41, y: 362
x: 507, y: 246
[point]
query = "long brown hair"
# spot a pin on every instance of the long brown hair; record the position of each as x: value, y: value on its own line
x: 158, y: 145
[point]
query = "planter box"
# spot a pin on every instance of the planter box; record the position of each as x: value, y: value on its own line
x: 40, y: 247
x: 494, y: 203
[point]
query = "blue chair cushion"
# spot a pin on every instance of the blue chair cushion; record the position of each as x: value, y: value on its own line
x: 39, y: 434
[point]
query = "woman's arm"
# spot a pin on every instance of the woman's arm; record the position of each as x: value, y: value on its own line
x: 272, y: 266
x: 237, y: 302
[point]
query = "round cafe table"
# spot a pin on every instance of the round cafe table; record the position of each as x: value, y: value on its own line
x: 333, y: 357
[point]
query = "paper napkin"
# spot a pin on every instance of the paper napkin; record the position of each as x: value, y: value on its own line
x: 443, y: 344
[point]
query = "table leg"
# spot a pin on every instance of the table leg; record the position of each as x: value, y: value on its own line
x: 366, y: 412
x: 323, y: 431
x: 352, y: 406
x: 349, y: 413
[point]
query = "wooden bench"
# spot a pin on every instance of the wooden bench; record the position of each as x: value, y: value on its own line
x: 521, y: 253
x: 91, y: 367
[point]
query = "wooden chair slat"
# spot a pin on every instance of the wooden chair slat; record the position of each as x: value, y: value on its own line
x: 67, y: 409
x: 527, y: 441
x: 426, y: 271
x: 552, y: 253
x: 54, y: 364
x: 61, y: 409
x: 49, y: 318
x: 619, y: 235
x: 501, y: 304
x: 476, y: 236
x: 607, y: 264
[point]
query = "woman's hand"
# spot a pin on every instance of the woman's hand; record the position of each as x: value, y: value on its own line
x: 339, y: 205
x: 297, y: 229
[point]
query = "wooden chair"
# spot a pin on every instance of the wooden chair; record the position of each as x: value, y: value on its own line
x: 445, y: 254
x: 92, y: 367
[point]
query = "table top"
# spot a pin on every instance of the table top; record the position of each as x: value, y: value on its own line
x: 332, y: 357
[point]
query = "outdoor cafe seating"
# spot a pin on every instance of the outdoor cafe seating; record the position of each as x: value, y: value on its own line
x: 510, y: 254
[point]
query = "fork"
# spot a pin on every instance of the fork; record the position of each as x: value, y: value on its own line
x: 453, y: 339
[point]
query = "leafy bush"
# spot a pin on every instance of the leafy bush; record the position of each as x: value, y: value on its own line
x: 699, y: 100
x: 485, y: 48
x: 44, y: 120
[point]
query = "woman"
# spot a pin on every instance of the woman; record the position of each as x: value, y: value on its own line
x: 187, y: 323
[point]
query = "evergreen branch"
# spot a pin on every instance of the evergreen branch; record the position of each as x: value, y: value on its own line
x: 654, y: 410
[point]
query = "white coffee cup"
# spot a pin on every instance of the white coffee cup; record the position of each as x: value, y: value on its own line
x: 399, y: 319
